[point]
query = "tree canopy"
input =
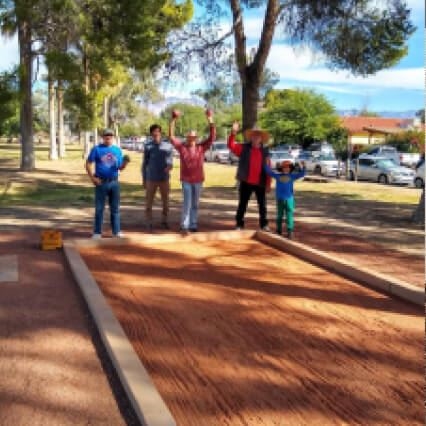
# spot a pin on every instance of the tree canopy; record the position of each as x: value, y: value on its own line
x: 299, y: 116
x: 362, y: 36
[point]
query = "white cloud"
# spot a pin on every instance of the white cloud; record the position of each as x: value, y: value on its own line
x: 303, y: 66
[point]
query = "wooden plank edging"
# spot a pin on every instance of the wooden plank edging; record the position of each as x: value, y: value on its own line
x: 149, y: 407
x: 375, y: 280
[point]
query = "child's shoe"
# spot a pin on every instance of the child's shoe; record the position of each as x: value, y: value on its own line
x: 290, y: 235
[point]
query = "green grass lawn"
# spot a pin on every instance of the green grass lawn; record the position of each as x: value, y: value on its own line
x: 64, y: 182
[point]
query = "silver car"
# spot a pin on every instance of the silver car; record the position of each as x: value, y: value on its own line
x: 277, y: 157
x: 380, y: 169
x: 218, y: 152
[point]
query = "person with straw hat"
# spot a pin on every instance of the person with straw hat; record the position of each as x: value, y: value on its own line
x: 191, y: 156
x: 251, y: 174
x: 284, y: 193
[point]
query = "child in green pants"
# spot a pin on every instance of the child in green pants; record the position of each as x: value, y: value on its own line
x: 284, y: 193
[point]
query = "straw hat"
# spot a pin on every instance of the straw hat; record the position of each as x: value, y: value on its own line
x: 191, y: 135
x: 264, y: 135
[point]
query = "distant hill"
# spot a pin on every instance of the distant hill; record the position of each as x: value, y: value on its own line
x: 194, y: 100
x: 162, y: 105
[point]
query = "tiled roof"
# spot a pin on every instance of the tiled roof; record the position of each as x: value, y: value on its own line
x: 358, y: 124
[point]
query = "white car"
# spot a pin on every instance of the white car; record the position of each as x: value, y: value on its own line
x: 380, y: 169
x: 277, y: 157
x: 323, y: 164
x: 218, y: 152
x: 419, y: 179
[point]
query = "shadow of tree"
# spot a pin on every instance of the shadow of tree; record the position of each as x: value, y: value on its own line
x: 303, y: 347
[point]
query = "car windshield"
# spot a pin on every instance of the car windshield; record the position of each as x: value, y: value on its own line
x: 386, y: 163
x: 327, y: 157
x: 220, y: 146
x: 280, y: 154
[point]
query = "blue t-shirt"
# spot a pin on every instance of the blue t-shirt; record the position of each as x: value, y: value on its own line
x: 107, y: 159
x: 284, y: 182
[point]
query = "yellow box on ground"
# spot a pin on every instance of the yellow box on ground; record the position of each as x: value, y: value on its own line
x: 50, y: 239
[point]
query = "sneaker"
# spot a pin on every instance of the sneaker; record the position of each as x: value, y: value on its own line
x: 148, y: 227
x: 290, y: 235
x: 119, y: 235
x: 266, y: 228
x: 239, y: 228
x: 193, y: 229
x: 96, y: 236
x: 184, y: 231
x: 165, y: 225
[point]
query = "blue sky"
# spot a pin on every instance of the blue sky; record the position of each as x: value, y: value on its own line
x: 395, y: 89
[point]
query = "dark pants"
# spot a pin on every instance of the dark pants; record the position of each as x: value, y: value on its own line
x: 246, y: 189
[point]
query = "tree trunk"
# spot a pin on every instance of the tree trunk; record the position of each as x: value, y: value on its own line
x: 26, y: 107
x: 117, y: 135
x: 106, y: 110
x: 87, y: 145
x: 61, y: 139
x: 419, y: 213
x: 53, y: 149
x: 250, y: 93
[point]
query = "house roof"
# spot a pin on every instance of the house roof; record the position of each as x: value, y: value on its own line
x: 363, y: 124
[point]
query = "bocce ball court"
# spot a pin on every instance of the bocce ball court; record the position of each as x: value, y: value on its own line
x: 232, y: 331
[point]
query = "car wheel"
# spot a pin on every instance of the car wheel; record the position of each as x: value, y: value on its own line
x: 383, y: 179
x: 418, y: 182
x: 216, y: 159
x: 317, y: 170
x: 351, y: 175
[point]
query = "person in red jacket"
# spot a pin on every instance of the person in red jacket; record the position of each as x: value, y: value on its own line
x: 191, y: 169
x: 251, y: 173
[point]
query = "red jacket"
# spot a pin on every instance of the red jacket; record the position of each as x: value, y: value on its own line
x: 250, y: 168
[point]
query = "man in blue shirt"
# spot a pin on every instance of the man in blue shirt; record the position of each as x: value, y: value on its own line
x: 156, y: 166
x: 108, y: 160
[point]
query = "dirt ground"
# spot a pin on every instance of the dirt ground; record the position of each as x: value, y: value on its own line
x: 55, y: 372
x: 53, y: 369
x: 237, y: 333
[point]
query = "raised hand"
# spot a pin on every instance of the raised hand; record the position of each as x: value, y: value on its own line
x: 175, y: 114
x: 235, y: 127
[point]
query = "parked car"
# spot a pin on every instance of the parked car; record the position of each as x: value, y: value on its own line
x: 218, y: 152
x: 324, y: 164
x: 233, y: 159
x: 277, y: 157
x: 293, y: 149
x: 401, y: 158
x: 320, y: 148
x: 419, y: 179
x: 380, y: 169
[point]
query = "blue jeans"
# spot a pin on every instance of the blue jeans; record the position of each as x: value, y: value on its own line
x: 110, y: 190
x: 191, y: 198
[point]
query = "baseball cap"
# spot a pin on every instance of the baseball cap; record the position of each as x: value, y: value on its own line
x: 108, y: 132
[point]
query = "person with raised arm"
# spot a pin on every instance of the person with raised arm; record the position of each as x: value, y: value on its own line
x: 251, y: 174
x: 284, y: 193
x: 191, y: 156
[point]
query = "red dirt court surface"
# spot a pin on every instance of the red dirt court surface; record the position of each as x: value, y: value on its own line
x: 238, y: 333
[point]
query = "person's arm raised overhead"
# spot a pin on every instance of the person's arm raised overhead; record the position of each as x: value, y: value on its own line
x: 206, y: 144
x: 172, y: 125
x: 300, y: 174
x: 236, y: 148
